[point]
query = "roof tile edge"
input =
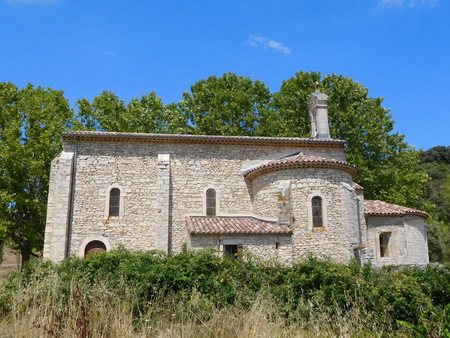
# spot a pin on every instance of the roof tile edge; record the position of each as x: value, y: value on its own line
x: 401, y: 210
x: 184, y: 138
x: 347, y: 167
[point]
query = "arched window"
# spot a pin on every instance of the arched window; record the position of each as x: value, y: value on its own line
x: 211, y: 203
x: 93, y: 247
x: 317, y: 216
x: 114, y: 202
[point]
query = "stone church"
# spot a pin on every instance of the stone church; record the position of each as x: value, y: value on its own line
x: 276, y: 198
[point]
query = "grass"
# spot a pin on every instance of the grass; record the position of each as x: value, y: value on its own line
x: 56, y: 301
x: 39, y: 311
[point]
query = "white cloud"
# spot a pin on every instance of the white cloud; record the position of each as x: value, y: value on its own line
x: 261, y: 41
x: 407, y: 3
x: 110, y: 54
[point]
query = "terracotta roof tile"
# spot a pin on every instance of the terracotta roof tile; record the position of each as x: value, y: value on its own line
x: 214, y: 139
x: 301, y: 161
x: 233, y: 225
x: 380, y: 208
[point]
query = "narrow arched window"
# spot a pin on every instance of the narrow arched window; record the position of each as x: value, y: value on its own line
x: 317, y: 216
x: 385, y: 238
x: 211, y: 203
x: 114, y: 202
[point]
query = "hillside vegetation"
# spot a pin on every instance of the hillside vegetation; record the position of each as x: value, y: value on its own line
x: 435, y: 162
x: 199, y: 294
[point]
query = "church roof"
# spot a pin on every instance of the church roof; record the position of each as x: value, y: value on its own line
x: 380, y: 208
x: 198, y: 139
x: 301, y: 161
x: 233, y: 225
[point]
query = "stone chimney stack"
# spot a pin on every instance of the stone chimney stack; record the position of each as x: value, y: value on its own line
x: 318, y: 112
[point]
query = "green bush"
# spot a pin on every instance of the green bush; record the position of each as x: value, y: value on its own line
x: 411, y: 299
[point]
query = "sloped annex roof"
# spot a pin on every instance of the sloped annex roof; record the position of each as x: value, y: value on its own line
x: 380, y: 208
x: 233, y: 225
x: 301, y: 161
x: 199, y: 139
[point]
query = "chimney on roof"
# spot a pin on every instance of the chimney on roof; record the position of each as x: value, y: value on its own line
x: 318, y: 113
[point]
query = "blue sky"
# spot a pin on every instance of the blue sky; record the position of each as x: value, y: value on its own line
x: 399, y: 49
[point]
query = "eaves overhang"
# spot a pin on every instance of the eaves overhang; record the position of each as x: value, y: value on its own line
x: 301, y: 161
x: 384, y: 209
x: 229, y: 225
x: 96, y: 136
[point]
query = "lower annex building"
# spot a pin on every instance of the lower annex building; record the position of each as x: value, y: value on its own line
x: 276, y: 198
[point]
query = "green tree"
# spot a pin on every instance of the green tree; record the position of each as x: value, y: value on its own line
x: 228, y: 105
x: 146, y: 114
x: 436, y: 163
x: 445, y: 233
x: 31, y: 123
x: 438, y: 154
x: 438, y: 236
x: 437, y: 187
x: 386, y: 162
x: 288, y: 116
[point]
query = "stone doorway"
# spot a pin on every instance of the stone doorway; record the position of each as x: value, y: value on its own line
x: 94, y: 247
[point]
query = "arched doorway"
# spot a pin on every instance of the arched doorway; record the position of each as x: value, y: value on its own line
x: 93, y: 247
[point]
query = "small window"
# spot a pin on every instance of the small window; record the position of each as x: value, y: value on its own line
x: 211, y: 203
x: 94, y: 247
x: 233, y: 250
x: 114, y: 202
x: 316, y: 204
x: 385, y: 238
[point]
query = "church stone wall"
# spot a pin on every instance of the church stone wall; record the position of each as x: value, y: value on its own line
x: 133, y: 168
x: 264, y: 247
x: 339, y: 209
x: 58, y: 207
x: 162, y: 183
x: 407, y: 244
x: 332, y: 240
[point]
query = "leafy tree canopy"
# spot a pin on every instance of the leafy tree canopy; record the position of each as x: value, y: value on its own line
x: 436, y: 163
x: 147, y: 114
x: 228, y: 105
x: 31, y: 122
x: 438, y: 154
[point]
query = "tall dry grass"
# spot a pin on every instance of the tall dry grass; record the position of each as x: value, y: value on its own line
x: 49, y: 307
x: 122, y: 294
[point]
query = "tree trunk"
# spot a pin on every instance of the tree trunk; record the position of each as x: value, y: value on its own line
x: 25, y: 250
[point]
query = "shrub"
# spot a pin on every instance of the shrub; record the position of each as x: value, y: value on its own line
x: 195, y: 285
